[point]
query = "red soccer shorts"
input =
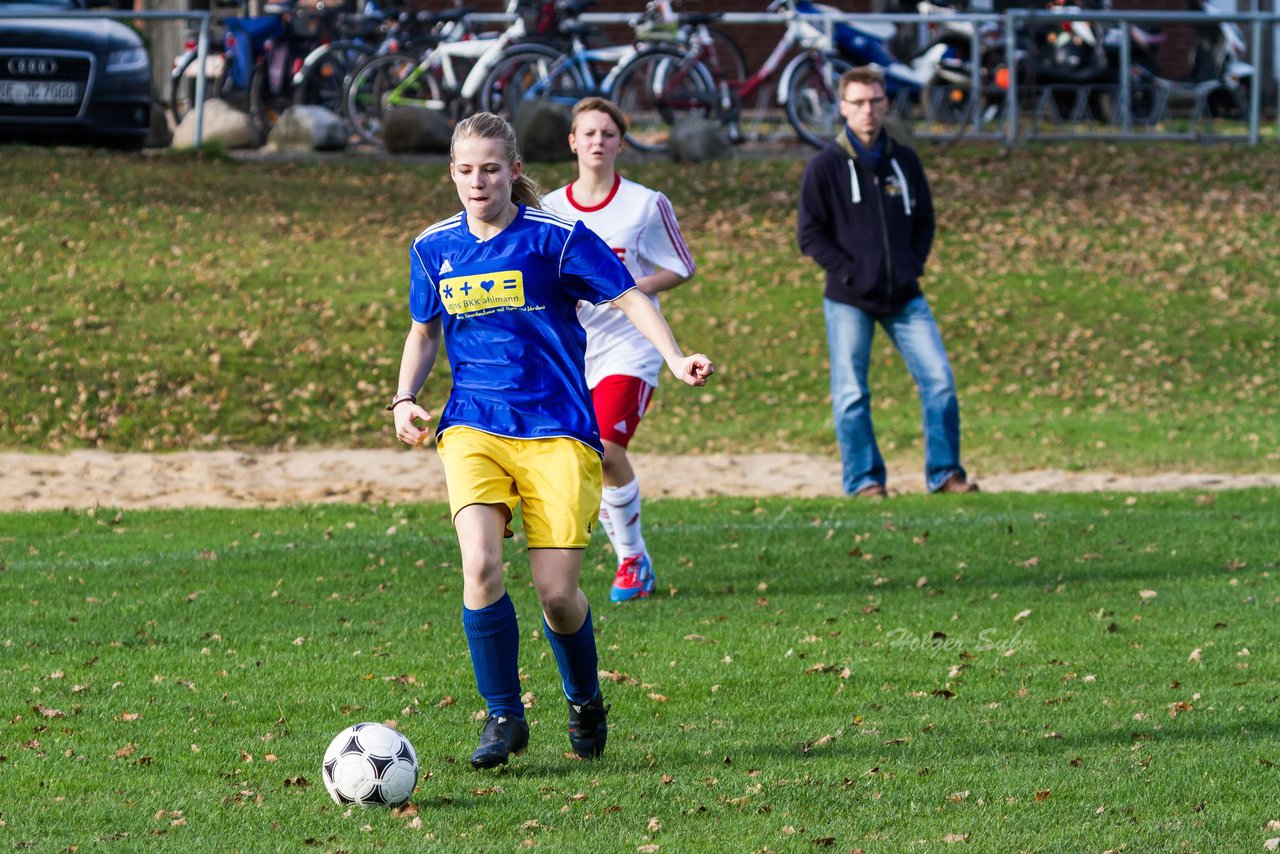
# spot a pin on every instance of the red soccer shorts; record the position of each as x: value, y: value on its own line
x: 620, y: 402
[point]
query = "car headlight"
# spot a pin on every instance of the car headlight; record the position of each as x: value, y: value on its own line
x: 129, y: 59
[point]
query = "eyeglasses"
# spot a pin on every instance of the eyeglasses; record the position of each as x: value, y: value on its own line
x: 865, y: 102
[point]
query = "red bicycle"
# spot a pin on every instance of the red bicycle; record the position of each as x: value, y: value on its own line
x: 667, y: 82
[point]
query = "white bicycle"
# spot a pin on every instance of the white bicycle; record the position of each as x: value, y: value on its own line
x: 445, y: 78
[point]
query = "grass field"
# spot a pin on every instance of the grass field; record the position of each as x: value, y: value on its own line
x: 1104, y: 307
x: 998, y: 673
x: 1050, y: 673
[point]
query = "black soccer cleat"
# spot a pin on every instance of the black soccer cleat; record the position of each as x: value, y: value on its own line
x: 589, y: 727
x: 501, y: 737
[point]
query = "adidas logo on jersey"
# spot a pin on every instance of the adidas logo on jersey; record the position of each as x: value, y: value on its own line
x: 446, y: 267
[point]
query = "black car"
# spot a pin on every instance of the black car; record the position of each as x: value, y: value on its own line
x: 71, y: 77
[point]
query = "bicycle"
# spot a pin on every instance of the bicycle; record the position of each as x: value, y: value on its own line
x: 661, y: 23
x: 229, y: 63
x: 184, y: 76
x: 530, y: 72
x: 665, y: 83
x: 426, y: 69
x: 322, y: 79
x: 271, y: 89
x: 446, y: 78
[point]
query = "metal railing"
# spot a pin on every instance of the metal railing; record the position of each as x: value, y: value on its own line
x: 1016, y: 20
x: 1012, y: 127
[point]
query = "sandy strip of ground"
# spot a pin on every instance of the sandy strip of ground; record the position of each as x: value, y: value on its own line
x: 82, y: 479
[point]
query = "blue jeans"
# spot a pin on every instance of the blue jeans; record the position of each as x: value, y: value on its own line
x: 915, y: 333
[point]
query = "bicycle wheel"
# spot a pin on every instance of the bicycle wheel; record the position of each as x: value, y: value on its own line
x: 382, y: 83
x: 271, y: 88
x: 324, y: 80
x: 813, y: 99
x: 225, y: 88
x: 948, y: 103
x: 730, y: 58
x: 565, y: 85
x: 522, y: 70
x: 658, y: 87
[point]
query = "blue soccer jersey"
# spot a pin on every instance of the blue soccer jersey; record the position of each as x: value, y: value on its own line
x: 510, y: 321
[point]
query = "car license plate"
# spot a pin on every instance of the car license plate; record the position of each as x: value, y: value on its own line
x: 39, y: 92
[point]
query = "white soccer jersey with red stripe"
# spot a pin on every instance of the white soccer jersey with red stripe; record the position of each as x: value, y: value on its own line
x: 640, y: 226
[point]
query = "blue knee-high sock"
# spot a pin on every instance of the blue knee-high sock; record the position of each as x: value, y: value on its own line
x: 494, y: 639
x: 576, y: 657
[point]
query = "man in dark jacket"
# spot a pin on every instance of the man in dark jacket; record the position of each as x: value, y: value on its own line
x: 866, y: 216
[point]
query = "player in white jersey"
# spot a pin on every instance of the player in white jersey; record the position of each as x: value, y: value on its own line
x: 622, y: 366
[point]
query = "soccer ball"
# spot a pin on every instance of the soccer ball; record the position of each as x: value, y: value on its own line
x: 370, y: 764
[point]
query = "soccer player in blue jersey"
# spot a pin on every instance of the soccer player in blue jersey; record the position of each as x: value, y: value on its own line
x: 500, y: 282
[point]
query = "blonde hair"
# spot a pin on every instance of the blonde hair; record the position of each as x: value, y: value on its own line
x: 596, y: 104
x: 524, y: 190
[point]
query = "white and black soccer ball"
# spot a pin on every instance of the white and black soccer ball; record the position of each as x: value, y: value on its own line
x: 370, y: 764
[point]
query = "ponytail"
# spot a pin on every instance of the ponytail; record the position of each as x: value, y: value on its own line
x: 524, y: 190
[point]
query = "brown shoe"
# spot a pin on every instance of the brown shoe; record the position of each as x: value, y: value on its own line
x: 871, y: 490
x: 957, y: 483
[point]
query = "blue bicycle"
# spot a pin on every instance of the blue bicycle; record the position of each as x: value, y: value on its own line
x: 531, y: 71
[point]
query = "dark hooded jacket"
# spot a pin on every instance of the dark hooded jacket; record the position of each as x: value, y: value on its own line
x: 871, y: 231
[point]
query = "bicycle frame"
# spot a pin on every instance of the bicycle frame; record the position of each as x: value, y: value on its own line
x: 809, y: 69
x: 800, y: 33
x: 440, y: 60
x: 582, y: 59
x: 480, y: 70
x: 483, y: 51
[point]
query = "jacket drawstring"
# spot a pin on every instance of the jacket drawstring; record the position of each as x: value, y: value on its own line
x: 855, y: 192
x: 902, y: 182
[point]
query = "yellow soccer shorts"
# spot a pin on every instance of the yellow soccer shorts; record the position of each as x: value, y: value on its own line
x: 555, y: 481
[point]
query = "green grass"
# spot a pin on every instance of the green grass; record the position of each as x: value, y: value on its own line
x: 1105, y: 307
x: 1049, y: 673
